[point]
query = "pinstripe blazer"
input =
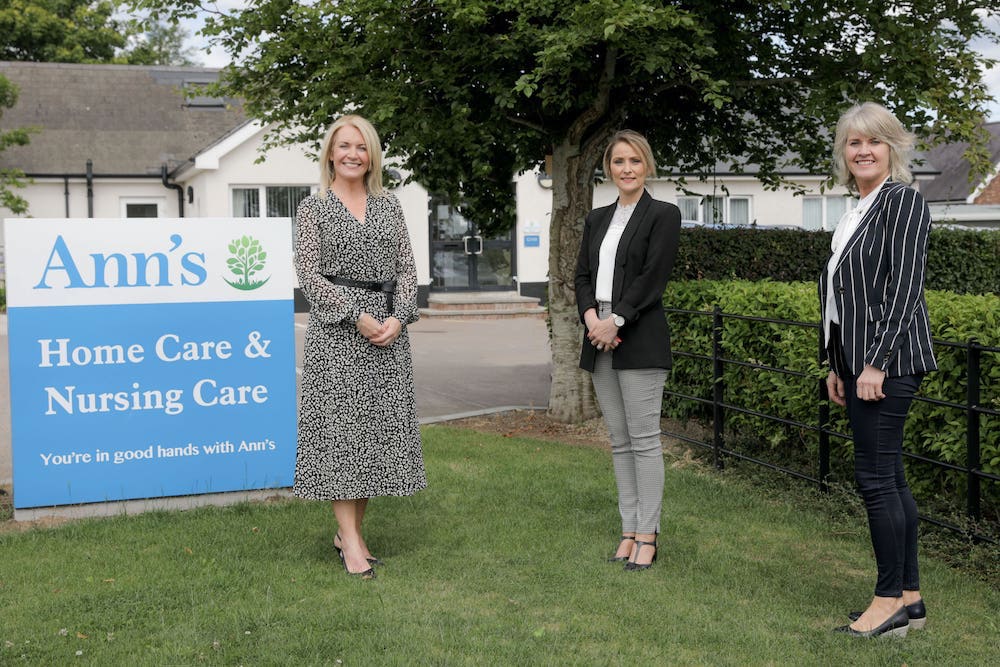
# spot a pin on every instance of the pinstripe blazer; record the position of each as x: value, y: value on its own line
x: 879, y: 289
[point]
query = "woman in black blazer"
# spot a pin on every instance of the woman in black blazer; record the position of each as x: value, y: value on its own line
x: 878, y: 342
x: 625, y: 259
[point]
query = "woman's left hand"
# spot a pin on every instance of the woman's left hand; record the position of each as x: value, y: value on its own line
x: 388, y: 333
x: 604, y: 335
x: 869, y: 384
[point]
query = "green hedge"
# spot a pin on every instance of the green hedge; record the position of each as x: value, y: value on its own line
x: 958, y: 260
x: 932, y: 431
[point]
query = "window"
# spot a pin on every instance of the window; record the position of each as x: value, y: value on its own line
x: 140, y: 207
x: 824, y: 212
x: 689, y: 207
x: 246, y: 203
x: 198, y: 94
x: 280, y: 201
x: 716, y: 210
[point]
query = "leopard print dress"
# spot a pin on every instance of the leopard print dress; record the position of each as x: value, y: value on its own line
x: 358, y: 433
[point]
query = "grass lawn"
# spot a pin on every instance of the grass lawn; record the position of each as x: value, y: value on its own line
x: 500, y: 561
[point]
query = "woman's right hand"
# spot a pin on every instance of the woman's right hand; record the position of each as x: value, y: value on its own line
x: 368, y: 326
x: 835, y: 389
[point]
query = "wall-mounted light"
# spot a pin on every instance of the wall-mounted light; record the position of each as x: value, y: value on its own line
x: 190, y: 192
x: 544, y: 174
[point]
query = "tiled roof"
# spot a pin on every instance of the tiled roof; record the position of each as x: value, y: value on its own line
x: 127, y: 119
x: 953, y: 182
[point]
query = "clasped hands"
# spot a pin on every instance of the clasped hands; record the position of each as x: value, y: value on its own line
x: 602, y: 334
x: 868, y: 384
x: 382, y: 334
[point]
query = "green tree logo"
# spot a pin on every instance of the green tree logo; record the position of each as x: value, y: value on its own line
x: 247, y: 259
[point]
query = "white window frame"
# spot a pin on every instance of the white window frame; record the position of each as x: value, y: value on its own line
x: 262, y: 194
x: 829, y: 224
x: 727, y: 200
x: 123, y: 203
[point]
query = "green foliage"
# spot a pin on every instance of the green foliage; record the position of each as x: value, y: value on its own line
x: 932, y: 431
x: 9, y: 177
x: 964, y: 261
x: 66, y: 31
x: 959, y: 261
x: 470, y: 91
x: 161, y: 43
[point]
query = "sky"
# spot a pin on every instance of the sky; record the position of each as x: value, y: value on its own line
x: 218, y: 58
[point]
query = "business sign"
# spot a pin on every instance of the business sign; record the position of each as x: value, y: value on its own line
x: 149, y: 358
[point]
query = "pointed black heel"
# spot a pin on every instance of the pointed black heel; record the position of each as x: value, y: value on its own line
x: 621, y: 559
x: 364, y: 574
x: 371, y: 559
x: 636, y: 567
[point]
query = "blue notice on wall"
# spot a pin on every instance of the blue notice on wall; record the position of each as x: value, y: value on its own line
x: 149, y: 360
x: 532, y: 240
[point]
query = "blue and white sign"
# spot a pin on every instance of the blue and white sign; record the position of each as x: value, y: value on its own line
x: 149, y: 359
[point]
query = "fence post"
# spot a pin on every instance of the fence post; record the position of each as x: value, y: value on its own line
x: 718, y: 388
x: 972, y: 460
x: 824, y: 424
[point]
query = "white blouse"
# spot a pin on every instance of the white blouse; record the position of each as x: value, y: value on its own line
x: 845, y: 230
x: 609, y: 249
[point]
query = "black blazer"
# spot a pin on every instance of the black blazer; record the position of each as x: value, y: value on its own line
x: 645, y: 258
x: 879, y: 289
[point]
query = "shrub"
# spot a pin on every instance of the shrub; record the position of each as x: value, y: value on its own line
x: 959, y: 261
x: 937, y: 432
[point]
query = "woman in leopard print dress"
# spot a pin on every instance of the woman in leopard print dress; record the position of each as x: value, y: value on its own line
x: 358, y: 434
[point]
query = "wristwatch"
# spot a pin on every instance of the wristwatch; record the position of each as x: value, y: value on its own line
x: 618, y: 319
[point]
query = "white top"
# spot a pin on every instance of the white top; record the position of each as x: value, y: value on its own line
x: 609, y: 250
x: 845, y: 229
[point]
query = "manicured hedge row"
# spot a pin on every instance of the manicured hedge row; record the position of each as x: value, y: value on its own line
x: 959, y: 261
x: 933, y: 431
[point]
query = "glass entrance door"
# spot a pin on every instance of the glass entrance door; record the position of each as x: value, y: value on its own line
x: 462, y: 258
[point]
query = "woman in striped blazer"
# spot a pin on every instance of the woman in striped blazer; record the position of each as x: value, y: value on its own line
x: 878, y: 342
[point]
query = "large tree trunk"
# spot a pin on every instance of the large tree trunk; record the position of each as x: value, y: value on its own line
x: 571, y: 397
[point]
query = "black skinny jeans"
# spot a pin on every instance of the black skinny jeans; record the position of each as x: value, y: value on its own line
x: 878, y: 471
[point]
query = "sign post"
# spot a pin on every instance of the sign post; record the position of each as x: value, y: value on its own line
x: 149, y: 359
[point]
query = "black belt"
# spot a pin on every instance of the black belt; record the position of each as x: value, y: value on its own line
x: 389, y: 287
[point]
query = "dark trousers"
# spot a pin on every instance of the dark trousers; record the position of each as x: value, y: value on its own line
x: 878, y: 471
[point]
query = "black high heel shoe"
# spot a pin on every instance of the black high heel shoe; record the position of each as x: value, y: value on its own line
x: 635, y: 567
x: 896, y: 626
x: 916, y: 611
x: 365, y: 574
x: 621, y: 559
x: 371, y: 559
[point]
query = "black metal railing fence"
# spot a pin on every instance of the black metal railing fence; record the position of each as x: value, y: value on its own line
x: 972, y: 408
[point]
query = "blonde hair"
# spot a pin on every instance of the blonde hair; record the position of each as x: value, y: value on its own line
x: 373, y: 177
x: 873, y: 120
x: 638, y: 144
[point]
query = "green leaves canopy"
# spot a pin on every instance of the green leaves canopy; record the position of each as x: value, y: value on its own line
x: 470, y: 91
x: 66, y: 31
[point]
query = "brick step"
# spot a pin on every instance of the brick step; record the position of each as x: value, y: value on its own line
x: 482, y: 305
x: 483, y: 314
